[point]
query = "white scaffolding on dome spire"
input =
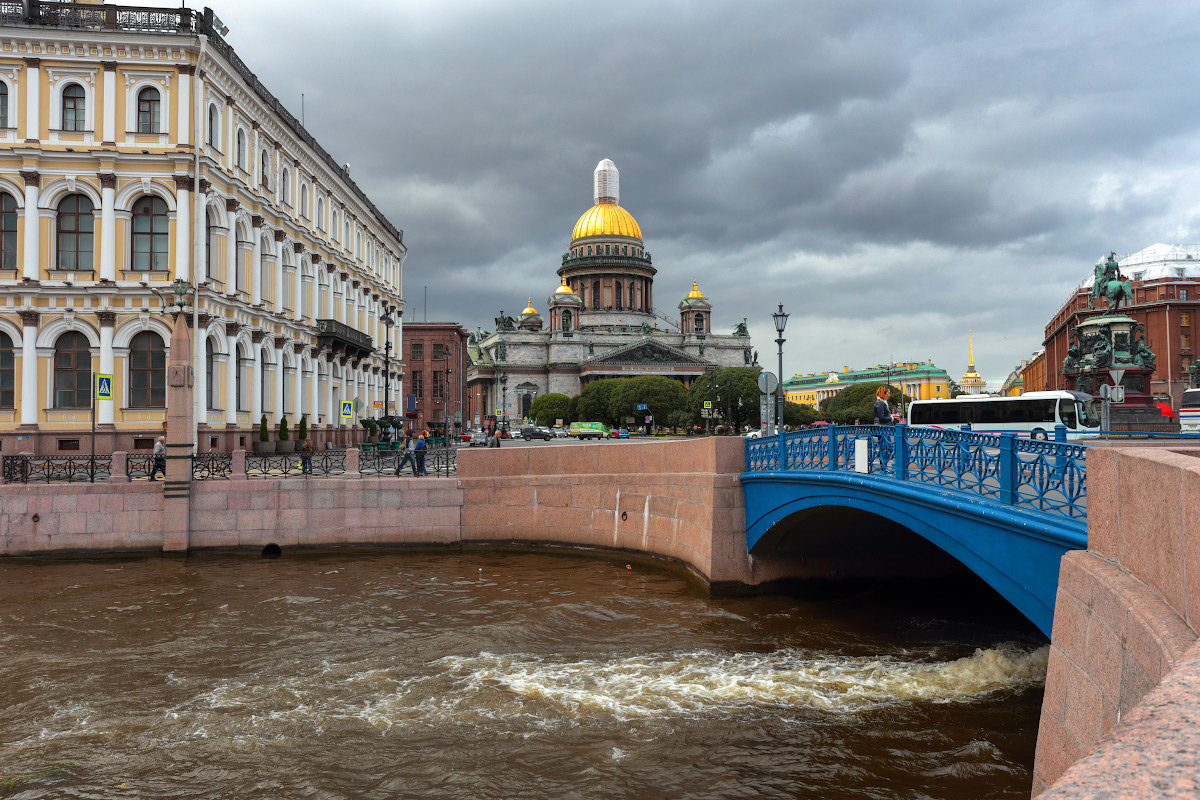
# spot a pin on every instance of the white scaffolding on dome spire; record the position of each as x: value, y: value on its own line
x: 606, y: 182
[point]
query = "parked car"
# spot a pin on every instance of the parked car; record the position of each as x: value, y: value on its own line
x: 536, y: 432
x: 478, y: 438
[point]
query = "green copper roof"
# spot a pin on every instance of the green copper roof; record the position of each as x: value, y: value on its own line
x: 870, y: 374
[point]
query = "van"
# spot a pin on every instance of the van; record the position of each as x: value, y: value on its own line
x: 1189, y: 412
x: 589, y: 430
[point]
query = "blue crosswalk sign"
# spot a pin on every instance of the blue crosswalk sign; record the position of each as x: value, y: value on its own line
x: 347, y: 409
x: 104, y: 387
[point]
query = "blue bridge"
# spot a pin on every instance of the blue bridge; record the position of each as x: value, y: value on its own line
x: 1007, y: 508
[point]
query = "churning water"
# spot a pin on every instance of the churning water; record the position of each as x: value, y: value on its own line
x: 396, y: 675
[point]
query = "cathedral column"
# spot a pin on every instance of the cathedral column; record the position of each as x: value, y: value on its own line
x: 29, y: 368
x: 30, y: 268
x: 231, y: 373
x: 231, y: 249
x: 109, y: 125
x: 257, y: 401
x: 183, y: 227
x: 108, y: 226
x: 280, y: 282
x: 33, y: 84
x: 184, y: 123
x: 256, y: 275
x: 107, y: 319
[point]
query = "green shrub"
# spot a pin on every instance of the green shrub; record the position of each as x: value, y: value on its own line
x: 283, y: 428
x: 264, y: 432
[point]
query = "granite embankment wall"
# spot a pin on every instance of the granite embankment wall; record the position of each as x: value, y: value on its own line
x: 1121, y: 714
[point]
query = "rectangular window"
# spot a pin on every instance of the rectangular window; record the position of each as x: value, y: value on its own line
x: 143, y: 443
x: 1185, y: 341
x: 418, y: 384
x: 1183, y: 294
x: 418, y: 351
x: 1185, y: 319
x: 68, y: 444
x: 439, y: 385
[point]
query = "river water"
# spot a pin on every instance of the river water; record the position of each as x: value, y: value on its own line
x: 495, y: 675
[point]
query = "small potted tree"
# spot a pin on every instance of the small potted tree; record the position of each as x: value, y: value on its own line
x: 264, y: 443
x: 302, y: 429
x: 285, y: 444
x: 372, y: 429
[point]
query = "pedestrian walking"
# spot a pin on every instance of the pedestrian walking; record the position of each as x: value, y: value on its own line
x: 494, y: 439
x: 306, y: 451
x: 883, y: 414
x: 160, y: 459
x: 407, y: 458
x: 419, y: 452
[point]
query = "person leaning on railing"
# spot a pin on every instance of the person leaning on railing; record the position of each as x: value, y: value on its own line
x: 883, y: 414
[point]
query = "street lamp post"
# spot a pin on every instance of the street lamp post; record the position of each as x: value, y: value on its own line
x: 503, y: 400
x: 388, y: 322
x: 781, y: 318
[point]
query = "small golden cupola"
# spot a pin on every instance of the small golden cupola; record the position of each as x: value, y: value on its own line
x: 695, y: 312
x: 530, y: 319
x: 565, y: 306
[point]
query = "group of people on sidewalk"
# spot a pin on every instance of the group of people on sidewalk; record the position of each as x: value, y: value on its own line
x: 413, y: 453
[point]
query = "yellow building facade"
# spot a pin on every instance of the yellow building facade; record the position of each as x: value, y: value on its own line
x: 918, y: 380
x: 134, y: 152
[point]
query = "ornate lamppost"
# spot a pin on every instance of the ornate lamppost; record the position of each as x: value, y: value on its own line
x: 388, y: 322
x: 503, y: 399
x: 781, y: 318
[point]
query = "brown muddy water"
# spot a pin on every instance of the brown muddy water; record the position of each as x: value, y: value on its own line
x: 496, y: 675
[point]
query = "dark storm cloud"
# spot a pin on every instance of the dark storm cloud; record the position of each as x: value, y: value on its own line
x: 894, y: 173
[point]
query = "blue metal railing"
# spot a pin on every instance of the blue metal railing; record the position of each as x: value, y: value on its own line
x: 1045, y: 476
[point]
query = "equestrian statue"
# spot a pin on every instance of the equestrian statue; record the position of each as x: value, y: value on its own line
x: 1109, y: 284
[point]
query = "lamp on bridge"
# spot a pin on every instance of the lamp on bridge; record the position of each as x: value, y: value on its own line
x: 388, y: 322
x: 781, y: 318
x: 503, y: 398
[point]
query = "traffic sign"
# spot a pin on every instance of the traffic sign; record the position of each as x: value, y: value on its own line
x: 648, y: 418
x: 767, y: 382
x: 379, y: 404
x: 347, y: 409
x: 708, y: 404
x: 104, y: 387
x: 642, y: 407
x: 1116, y: 375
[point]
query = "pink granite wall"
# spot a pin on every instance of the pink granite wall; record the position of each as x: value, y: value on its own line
x: 1126, y: 614
x: 116, y: 517
x: 678, y: 500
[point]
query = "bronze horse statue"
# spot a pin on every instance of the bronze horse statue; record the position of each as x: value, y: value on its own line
x: 1109, y: 284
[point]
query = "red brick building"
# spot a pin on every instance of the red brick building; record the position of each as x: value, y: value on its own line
x: 1166, y: 299
x: 435, y: 374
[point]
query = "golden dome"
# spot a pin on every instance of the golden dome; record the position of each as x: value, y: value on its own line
x: 606, y: 219
x: 529, y: 309
x: 695, y: 292
x: 564, y: 289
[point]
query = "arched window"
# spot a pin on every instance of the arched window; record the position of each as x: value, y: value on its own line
x: 150, y: 238
x: 333, y: 227
x: 8, y: 231
x: 303, y: 200
x: 264, y: 385
x: 3, y: 104
x: 321, y: 213
x: 8, y: 373
x: 264, y: 165
x: 595, y: 295
x: 149, y: 101
x: 210, y: 247
x: 72, y: 371
x: 566, y: 320
x: 240, y: 153
x: 618, y: 295
x: 74, y: 107
x: 699, y: 327
x: 147, y: 371
x: 214, y: 127
x: 210, y: 375
x: 284, y: 185
x: 237, y: 257
x: 76, y: 226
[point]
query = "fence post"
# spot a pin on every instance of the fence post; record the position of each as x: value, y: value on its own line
x: 1008, y: 468
x: 833, y: 456
x: 237, y: 465
x: 900, y: 452
x: 120, y: 467
x: 352, y: 462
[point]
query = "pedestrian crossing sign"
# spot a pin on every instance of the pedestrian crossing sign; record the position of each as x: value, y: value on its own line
x: 347, y: 409
x: 104, y: 387
x: 708, y: 403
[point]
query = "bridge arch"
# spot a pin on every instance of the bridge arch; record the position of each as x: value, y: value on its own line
x: 1013, y: 551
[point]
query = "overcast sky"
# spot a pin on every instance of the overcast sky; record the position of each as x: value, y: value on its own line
x: 894, y: 173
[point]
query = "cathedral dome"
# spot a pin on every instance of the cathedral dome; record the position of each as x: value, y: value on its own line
x: 695, y: 292
x: 564, y: 288
x: 606, y: 219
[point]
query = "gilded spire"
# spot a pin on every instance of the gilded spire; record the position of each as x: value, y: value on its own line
x: 970, y: 350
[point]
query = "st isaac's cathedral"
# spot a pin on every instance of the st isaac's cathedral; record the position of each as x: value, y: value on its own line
x: 601, y: 321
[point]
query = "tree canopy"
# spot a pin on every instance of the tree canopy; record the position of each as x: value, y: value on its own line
x: 548, y: 408
x: 733, y: 392
x: 858, y: 401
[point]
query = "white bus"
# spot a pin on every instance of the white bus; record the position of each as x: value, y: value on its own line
x: 1189, y: 412
x: 1034, y: 412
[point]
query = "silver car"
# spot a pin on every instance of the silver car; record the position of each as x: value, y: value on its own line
x: 478, y: 438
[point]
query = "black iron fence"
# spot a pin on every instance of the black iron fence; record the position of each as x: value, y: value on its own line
x: 212, y: 466
x: 79, y: 468
x: 296, y: 465
x: 139, y: 465
x: 92, y: 16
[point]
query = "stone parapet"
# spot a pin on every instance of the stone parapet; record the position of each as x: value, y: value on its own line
x: 1125, y: 622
